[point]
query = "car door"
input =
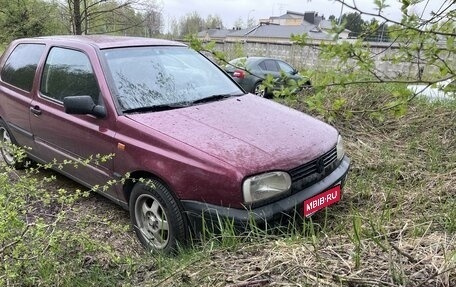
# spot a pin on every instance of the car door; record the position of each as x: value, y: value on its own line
x: 270, y: 67
x: 16, y: 90
x: 60, y: 136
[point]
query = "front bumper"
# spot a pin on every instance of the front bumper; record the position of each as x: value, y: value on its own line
x: 200, y: 213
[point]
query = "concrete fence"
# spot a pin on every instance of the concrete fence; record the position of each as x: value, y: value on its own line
x: 305, y: 57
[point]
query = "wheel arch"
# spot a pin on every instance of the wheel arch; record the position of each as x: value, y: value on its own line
x: 17, y: 163
x: 134, y: 178
x: 257, y: 81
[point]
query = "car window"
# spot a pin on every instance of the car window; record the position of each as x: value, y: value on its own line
x: 285, y: 67
x: 68, y: 73
x: 237, y: 63
x: 269, y: 65
x: 19, y: 70
x: 152, y: 76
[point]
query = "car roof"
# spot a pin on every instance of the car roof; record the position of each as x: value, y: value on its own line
x: 253, y: 60
x: 107, y: 41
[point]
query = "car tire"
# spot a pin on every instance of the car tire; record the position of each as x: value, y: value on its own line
x: 7, y: 143
x: 156, y: 217
x: 259, y: 91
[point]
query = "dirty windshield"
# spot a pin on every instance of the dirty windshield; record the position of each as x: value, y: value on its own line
x: 157, y: 77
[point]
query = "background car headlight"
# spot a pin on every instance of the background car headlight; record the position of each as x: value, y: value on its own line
x: 263, y: 186
x: 340, y: 148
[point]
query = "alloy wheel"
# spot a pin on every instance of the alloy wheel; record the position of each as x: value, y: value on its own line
x: 152, y: 220
x: 6, y: 146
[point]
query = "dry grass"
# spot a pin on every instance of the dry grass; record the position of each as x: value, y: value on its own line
x: 411, y: 262
x: 396, y: 225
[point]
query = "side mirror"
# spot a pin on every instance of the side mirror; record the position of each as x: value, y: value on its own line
x: 294, y: 72
x: 83, y: 105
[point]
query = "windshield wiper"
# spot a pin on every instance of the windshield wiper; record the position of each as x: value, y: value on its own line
x: 155, y: 108
x: 166, y: 107
x: 215, y: 98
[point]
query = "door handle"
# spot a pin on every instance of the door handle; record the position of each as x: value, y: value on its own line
x: 35, y: 110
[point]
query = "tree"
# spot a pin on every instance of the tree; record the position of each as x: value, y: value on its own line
x: 353, y: 22
x: 173, y: 28
x: 239, y: 23
x: 153, y: 21
x: 251, y: 22
x: 27, y: 18
x: 426, y: 41
x: 108, y: 18
x: 426, y: 44
x: 214, y: 22
x: 111, y: 16
x: 374, y: 31
x: 191, y: 23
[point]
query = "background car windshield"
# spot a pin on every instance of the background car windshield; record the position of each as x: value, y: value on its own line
x: 153, y: 76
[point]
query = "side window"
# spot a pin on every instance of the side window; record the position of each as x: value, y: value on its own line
x: 19, y: 70
x: 262, y: 66
x: 68, y: 73
x: 269, y: 65
x: 285, y: 67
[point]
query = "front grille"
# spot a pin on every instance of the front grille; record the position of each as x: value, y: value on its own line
x: 311, y: 172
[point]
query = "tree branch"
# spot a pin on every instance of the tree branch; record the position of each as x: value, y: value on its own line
x: 389, y: 20
x: 16, y: 241
x: 90, y: 14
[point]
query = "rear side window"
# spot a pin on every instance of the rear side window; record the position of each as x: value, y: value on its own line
x: 269, y: 65
x: 68, y: 73
x: 19, y: 70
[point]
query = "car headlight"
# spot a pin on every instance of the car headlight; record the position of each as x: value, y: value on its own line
x: 263, y: 186
x: 340, y: 148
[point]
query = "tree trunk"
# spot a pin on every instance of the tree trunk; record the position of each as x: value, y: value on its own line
x: 77, y: 17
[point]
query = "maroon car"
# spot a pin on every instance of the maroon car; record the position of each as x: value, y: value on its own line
x: 195, y: 147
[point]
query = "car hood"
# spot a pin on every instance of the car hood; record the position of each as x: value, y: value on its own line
x: 247, y: 132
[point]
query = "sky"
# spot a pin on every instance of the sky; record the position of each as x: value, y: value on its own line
x: 231, y: 10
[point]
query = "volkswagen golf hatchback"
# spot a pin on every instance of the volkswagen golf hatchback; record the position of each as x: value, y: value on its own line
x: 189, y: 146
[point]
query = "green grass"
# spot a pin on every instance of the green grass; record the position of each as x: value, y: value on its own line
x: 395, y: 225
